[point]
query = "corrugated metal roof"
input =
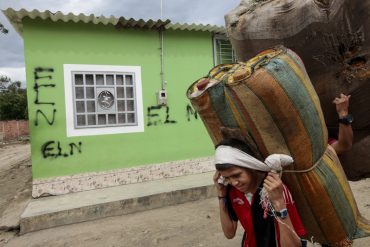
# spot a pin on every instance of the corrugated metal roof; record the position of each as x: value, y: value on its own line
x: 196, y: 27
x: 132, y: 23
x: 15, y: 17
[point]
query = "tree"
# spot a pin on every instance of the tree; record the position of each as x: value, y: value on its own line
x: 13, y: 100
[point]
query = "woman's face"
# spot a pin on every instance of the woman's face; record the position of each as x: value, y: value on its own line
x: 243, y: 179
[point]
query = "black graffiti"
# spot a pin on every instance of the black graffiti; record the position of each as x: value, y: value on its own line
x: 155, y: 119
x: 50, y: 122
x: 36, y: 89
x: 41, y: 69
x: 37, y: 77
x: 37, y: 86
x: 191, y: 111
x: 75, y: 145
x: 42, y: 73
x: 168, y: 121
x: 53, y: 149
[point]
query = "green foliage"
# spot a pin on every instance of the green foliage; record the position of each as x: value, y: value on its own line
x: 13, y: 101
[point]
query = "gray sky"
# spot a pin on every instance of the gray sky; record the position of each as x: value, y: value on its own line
x: 183, y: 11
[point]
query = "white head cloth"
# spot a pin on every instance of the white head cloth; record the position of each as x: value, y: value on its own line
x: 234, y: 156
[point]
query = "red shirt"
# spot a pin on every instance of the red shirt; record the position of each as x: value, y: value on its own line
x: 331, y: 140
x: 243, y: 212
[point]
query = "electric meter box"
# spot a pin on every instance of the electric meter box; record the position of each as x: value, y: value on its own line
x: 162, y: 97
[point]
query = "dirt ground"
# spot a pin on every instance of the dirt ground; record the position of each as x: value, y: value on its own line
x: 186, y: 225
x: 15, y: 174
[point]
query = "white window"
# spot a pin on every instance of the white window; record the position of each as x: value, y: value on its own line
x: 102, y: 99
x: 223, y: 51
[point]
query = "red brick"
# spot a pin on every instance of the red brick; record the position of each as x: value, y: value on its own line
x: 12, y: 130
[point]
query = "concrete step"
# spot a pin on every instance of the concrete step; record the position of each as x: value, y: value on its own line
x: 78, y: 207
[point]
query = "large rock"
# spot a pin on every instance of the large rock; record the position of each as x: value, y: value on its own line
x: 333, y: 39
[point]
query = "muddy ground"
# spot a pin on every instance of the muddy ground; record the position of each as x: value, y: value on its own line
x: 186, y: 225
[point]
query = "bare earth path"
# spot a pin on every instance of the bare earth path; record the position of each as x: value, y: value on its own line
x: 15, y: 174
x: 187, y: 225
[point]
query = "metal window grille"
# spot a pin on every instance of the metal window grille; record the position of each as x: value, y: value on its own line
x: 223, y: 51
x: 104, y: 99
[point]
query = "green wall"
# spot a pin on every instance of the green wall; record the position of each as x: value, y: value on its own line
x: 188, y: 56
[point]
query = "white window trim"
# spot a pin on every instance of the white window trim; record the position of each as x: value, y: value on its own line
x: 68, y: 91
x: 214, y: 39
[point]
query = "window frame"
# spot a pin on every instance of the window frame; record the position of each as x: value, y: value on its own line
x: 70, y: 100
x: 216, y: 59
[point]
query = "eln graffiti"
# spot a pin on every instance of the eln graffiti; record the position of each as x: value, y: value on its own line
x: 50, y: 149
x: 54, y: 149
x: 43, y: 74
x: 154, y: 117
x: 191, y: 112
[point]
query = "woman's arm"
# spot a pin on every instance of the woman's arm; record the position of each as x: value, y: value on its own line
x: 274, y: 188
x: 228, y: 225
x: 345, y: 134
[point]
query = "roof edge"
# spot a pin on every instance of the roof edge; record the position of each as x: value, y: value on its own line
x: 15, y: 17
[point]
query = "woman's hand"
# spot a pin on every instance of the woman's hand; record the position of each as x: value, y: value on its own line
x: 221, y: 189
x: 342, y: 104
x: 228, y: 225
x: 274, y: 188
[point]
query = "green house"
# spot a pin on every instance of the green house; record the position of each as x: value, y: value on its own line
x: 106, y: 98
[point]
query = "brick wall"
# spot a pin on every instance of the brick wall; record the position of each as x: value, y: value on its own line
x: 13, y: 130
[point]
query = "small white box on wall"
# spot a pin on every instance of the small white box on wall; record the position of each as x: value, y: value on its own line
x: 162, y: 97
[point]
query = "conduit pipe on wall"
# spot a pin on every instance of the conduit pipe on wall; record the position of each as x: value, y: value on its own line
x: 161, y: 31
x: 162, y: 94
